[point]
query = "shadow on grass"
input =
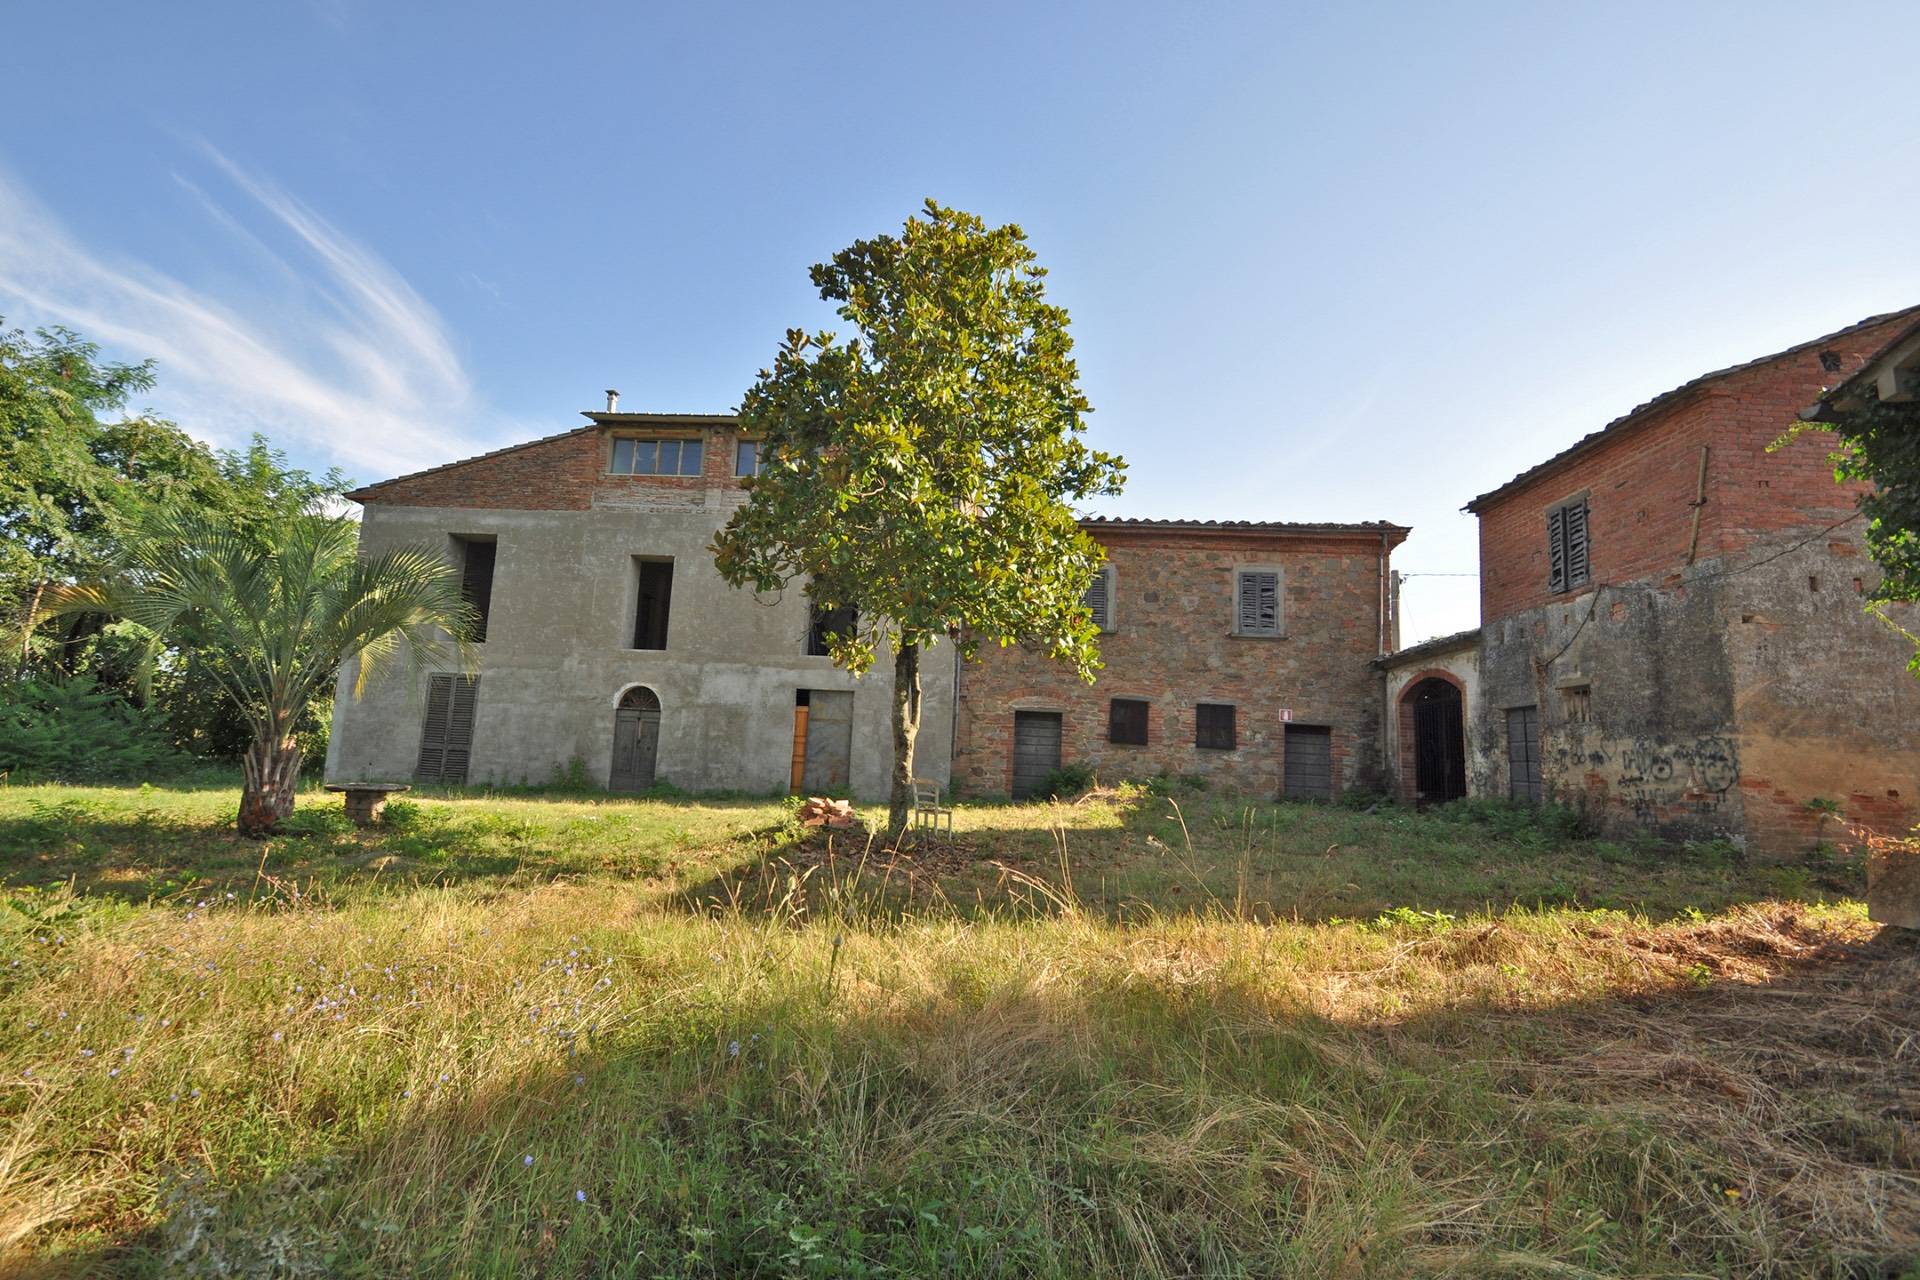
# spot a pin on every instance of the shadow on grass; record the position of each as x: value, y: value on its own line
x: 1748, y: 1114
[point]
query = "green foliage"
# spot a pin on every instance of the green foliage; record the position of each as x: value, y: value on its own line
x: 73, y: 730
x: 1068, y: 780
x: 1880, y: 443
x: 1542, y: 824
x: 923, y: 470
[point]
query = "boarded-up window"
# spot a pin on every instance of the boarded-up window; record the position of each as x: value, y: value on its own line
x: 826, y: 624
x: 446, y: 732
x: 1523, y: 753
x: 657, y: 457
x: 1099, y: 598
x: 1569, y: 550
x: 1213, y: 726
x: 1257, y: 602
x: 476, y: 581
x: 652, y: 603
x: 1309, y: 762
x: 1127, y: 722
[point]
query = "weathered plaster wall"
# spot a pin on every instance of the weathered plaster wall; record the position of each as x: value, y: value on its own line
x: 556, y: 658
x: 1656, y: 749
x: 1173, y: 645
x: 1824, y: 708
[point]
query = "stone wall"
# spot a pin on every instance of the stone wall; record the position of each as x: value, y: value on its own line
x: 1173, y: 645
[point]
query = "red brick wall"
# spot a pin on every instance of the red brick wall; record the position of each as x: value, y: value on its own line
x: 1172, y: 611
x: 562, y: 474
x: 1641, y: 481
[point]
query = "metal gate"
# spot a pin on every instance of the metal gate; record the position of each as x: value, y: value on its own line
x: 1309, y: 763
x: 1036, y: 751
x: 1439, y: 755
x: 636, y: 740
x: 829, y: 742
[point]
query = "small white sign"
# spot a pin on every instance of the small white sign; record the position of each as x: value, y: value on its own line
x: 1286, y: 713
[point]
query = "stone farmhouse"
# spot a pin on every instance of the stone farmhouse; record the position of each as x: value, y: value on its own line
x: 1241, y: 651
x: 1672, y: 635
x: 1672, y: 632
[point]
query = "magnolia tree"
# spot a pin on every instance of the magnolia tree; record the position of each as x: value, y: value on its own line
x: 922, y: 471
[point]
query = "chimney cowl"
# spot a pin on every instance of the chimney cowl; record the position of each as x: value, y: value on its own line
x: 613, y: 400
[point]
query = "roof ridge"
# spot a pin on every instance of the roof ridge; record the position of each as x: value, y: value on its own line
x: 1639, y: 411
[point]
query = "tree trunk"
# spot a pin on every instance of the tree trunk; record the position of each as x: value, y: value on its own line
x: 26, y: 627
x: 906, y: 727
x: 269, y: 772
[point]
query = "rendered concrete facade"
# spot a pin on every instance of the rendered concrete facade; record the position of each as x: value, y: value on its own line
x: 558, y: 654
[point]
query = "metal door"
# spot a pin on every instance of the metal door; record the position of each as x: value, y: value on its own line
x: 1523, y: 753
x: 636, y: 741
x: 1309, y: 764
x: 1036, y: 751
x: 829, y: 742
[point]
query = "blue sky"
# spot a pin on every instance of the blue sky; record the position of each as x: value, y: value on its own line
x: 1324, y: 262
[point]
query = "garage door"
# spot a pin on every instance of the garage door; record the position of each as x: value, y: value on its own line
x: 1309, y: 770
x: 1036, y: 751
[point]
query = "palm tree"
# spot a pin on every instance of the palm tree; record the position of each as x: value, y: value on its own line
x: 276, y: 613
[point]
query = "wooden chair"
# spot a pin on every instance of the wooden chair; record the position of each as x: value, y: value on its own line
x: 927, y: 809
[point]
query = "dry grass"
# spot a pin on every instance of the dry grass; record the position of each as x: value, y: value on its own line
x: 793, y: 1073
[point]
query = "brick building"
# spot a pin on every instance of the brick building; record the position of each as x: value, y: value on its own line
x: 612, y: 645
x: 1237, y: 651
x: 1672, y: 630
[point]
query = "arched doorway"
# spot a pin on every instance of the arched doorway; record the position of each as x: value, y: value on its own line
x: 1439, y: 740
x: 636, y: 740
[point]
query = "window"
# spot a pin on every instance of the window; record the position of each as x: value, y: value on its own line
x: 476, y: 581
x: 1523, y: 753
x: 825, y: 624
x: 652, y: 602
x: 446, y: 732
x: 746, y: 458
x: 1127, y: 722
x: 1569, y: 552
x: 656, y: 457
x: 1257, y: 602
x: 1578, y: 702
x: 1099, y: 598
x: 1213, y: 726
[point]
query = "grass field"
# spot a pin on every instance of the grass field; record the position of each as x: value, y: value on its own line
x: 1139, y: 1035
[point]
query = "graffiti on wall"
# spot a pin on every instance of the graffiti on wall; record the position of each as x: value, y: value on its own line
x: 1653, y: 778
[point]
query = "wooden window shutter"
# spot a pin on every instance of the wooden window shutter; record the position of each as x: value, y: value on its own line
x: 446, y: 732
x: 433, y: 729
x: 1557, y: 549
x: 1099, y: 599
x: 1258, y: 612
x: 1578, y: 555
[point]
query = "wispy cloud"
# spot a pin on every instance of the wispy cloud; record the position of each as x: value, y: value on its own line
x: 332, y: 353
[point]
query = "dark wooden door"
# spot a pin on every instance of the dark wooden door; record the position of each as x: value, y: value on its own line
x: 636, y: 741
x: 446, y: 731
x: 1523, y: 753
x: 1036, y: 751
x: 1309, y: 764
x: 1439, y: 750
x: 829, y: 765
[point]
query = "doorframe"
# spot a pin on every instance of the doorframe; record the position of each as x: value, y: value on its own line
x: 620, y: 696
x: 1407, y: 774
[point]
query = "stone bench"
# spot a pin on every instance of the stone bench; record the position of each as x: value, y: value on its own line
x: 366, y: 800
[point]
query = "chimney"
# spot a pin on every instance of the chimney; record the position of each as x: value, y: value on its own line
x: 613, y: 400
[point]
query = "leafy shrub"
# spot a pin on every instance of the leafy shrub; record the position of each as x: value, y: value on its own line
x: 1068, y: 781
x: 73, y: 730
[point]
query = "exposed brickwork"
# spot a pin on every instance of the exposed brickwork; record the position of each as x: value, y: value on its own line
x: 1727, y: 685
x: 563, y: 473
x: 1406, y: 779
x: 1173, y: 646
